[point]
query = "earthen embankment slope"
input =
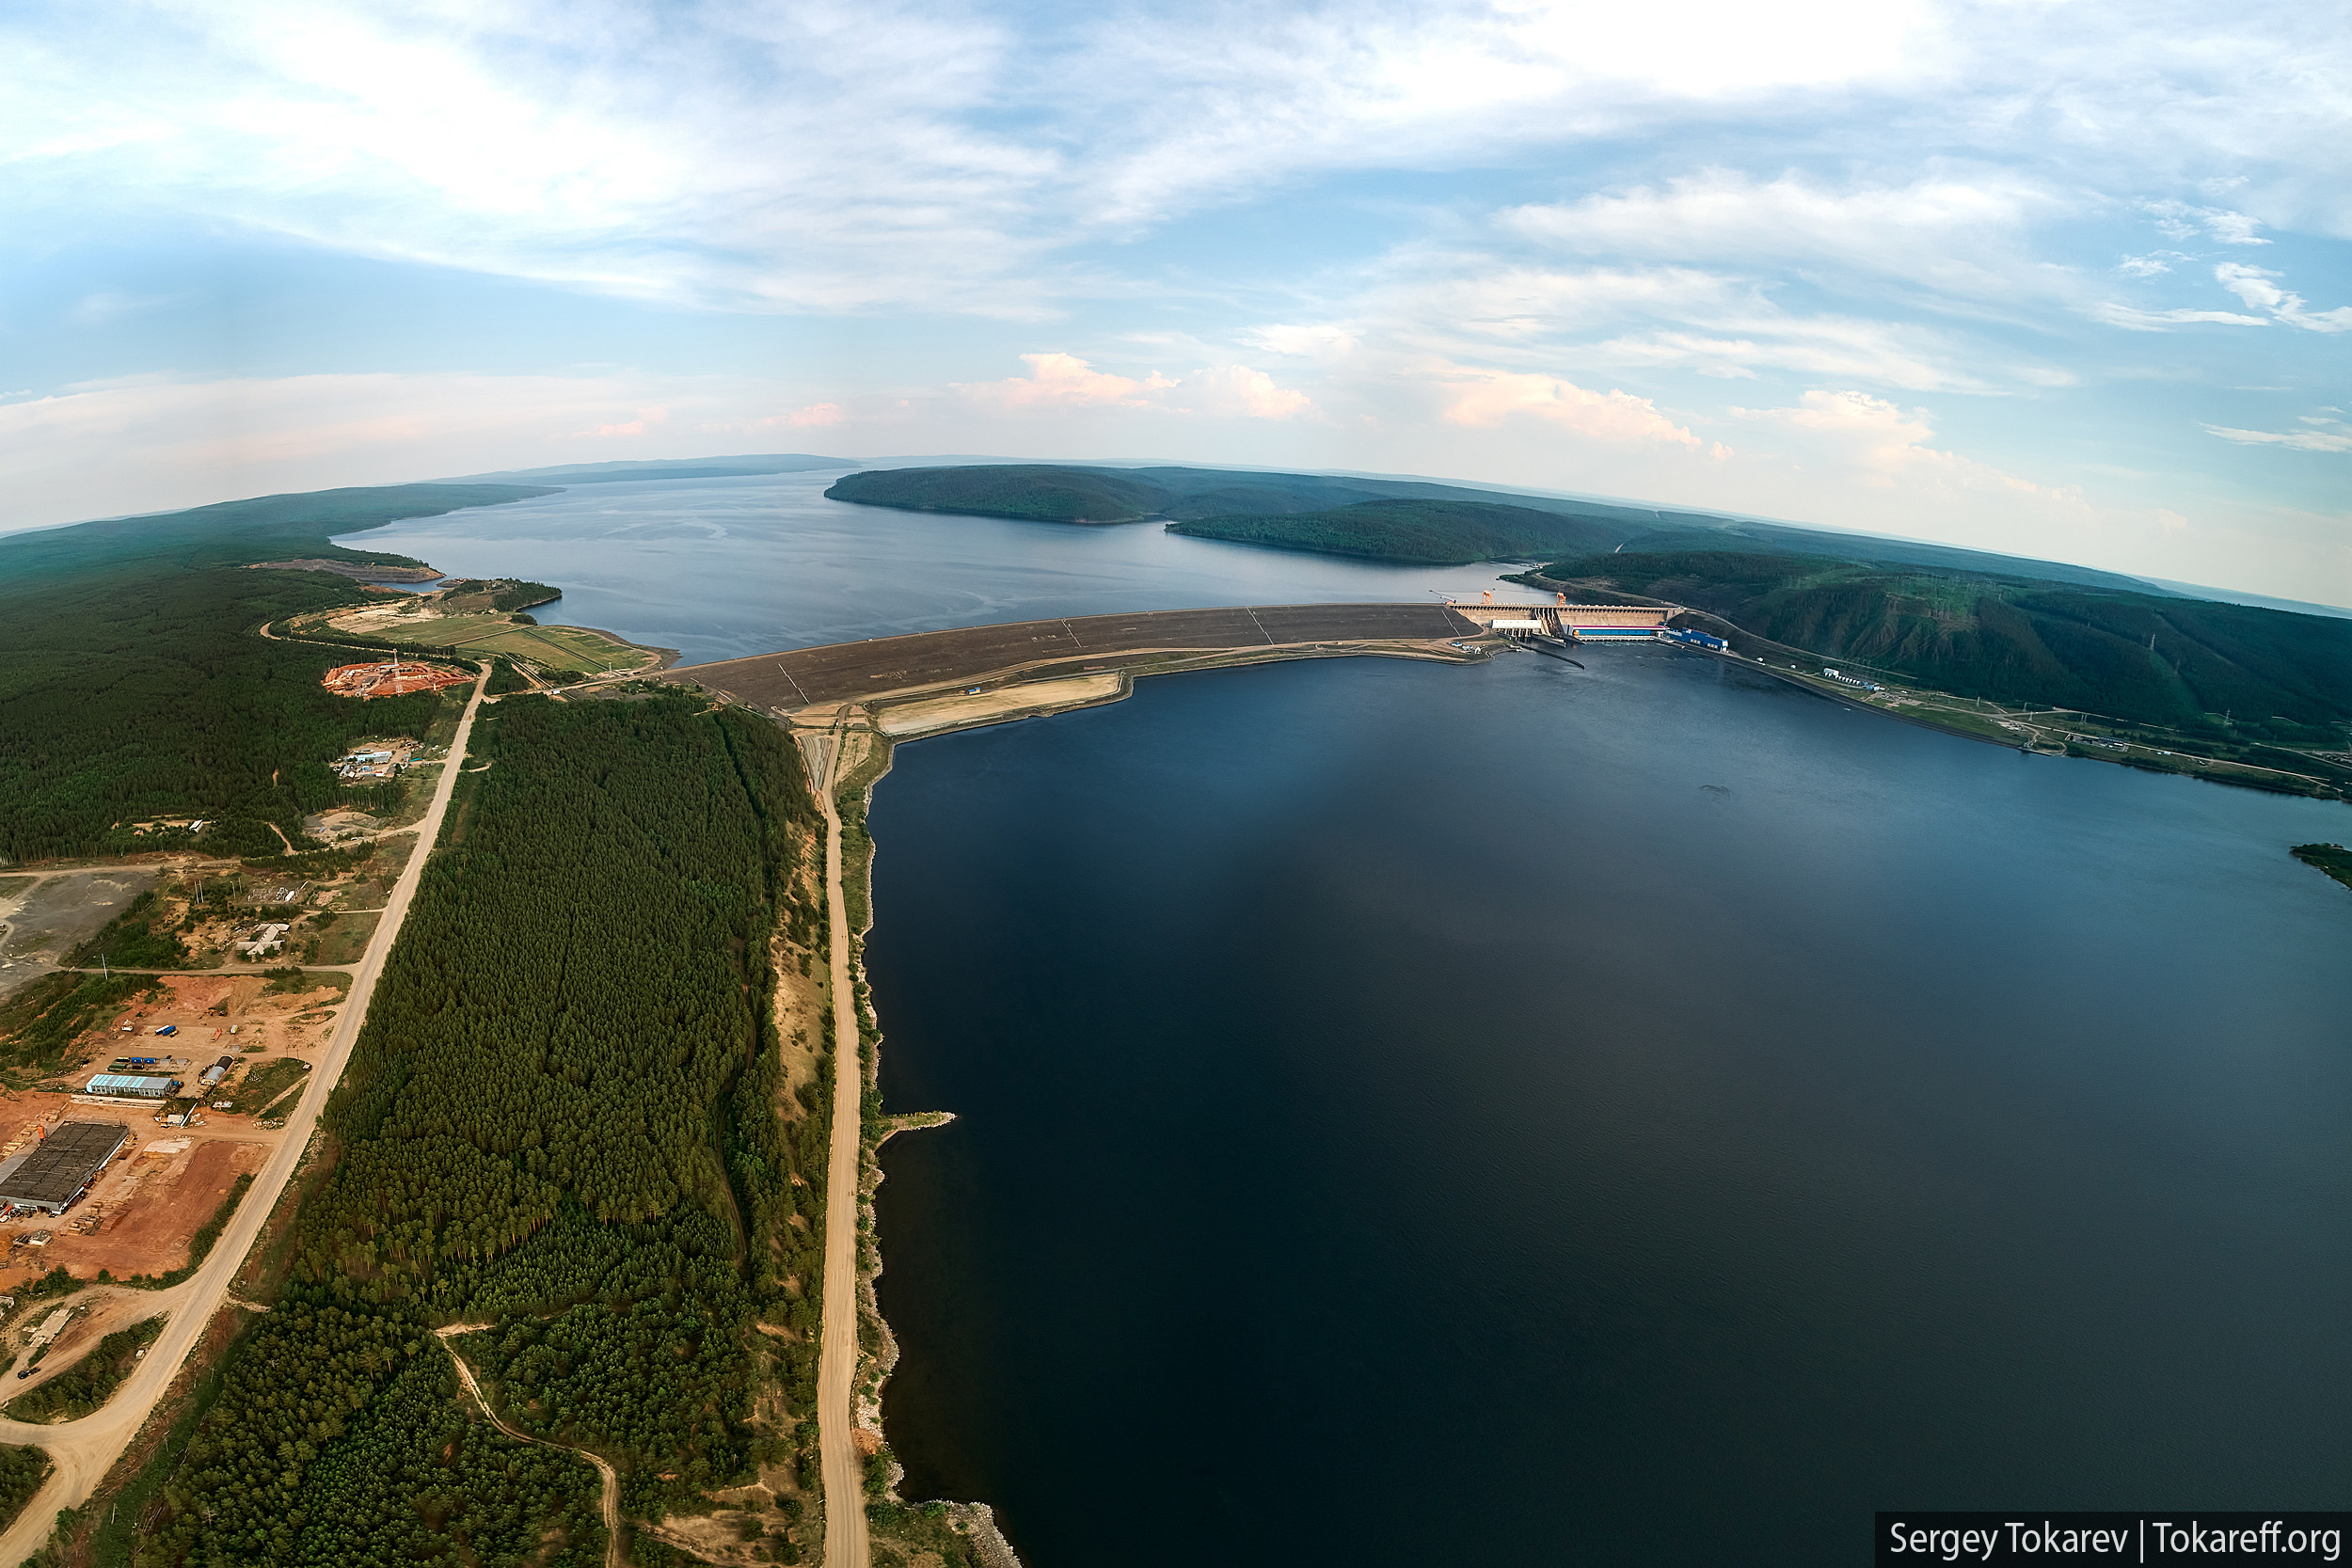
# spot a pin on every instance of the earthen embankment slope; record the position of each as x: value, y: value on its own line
x: 848, y: 672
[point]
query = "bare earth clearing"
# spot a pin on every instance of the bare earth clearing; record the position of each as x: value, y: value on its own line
x: 85, y: 1449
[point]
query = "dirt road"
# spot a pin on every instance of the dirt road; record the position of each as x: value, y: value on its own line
x: 84, y: 1450
x: 845, y: 1542
x: 611, y: 1477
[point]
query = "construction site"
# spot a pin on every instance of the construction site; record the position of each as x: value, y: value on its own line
x: 113, y: 1167
x: 394, y: 680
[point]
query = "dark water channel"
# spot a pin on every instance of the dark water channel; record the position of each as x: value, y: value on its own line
x: 1637, y: 1115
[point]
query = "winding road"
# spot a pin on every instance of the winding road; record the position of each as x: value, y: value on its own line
x: 847, y: 1543
x: 84, y: 1450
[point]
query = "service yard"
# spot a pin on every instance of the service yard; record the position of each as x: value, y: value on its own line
x: 141, y: 1210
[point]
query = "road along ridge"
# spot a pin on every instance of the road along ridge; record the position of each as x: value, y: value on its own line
x: 847, y: 1543
x: 610, y: 1477
x: 84, y: 1450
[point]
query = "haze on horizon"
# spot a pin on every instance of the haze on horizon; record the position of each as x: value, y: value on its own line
x: 2054, y: 280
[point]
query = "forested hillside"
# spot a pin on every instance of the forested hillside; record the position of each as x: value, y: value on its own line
x: 2192, y: 664
x: 1061, y: 494
x: 132, y: 685
x: 1456, y: 524
x: 567, y: 1118
x: 1414, y: 532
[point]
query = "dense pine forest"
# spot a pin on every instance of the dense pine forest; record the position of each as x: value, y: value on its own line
x: 566, y: 1120
x: 1063, y: 493
x: 1414, y: 532
x: 132, y: 685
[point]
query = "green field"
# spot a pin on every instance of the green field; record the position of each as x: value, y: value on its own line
x: 550, y: 647
x: 262, y: 1086
x: 344, y: 936
x: 559, y: 648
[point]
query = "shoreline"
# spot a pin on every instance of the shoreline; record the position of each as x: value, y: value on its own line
x: 860, y: 751
x: 867, y: 1372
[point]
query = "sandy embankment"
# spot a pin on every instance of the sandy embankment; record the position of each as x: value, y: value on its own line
x: 947, y: 713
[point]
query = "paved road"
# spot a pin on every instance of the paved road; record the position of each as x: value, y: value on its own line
x: 85, y: 1450
x: 845, y: 1542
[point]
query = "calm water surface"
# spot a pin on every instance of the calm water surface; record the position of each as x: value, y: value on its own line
x: 1524, y: 1115
x: 1415, y: 1114
x: 722, y: 568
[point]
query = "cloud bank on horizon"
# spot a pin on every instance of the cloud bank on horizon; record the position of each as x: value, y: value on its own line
x: 2052, y: 278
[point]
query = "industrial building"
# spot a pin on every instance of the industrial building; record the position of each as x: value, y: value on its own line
x: 267, y: 940
x: 60, y: 1168
x: 133, y: 1085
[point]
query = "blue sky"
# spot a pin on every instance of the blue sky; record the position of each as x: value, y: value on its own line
x: 2064, y: 280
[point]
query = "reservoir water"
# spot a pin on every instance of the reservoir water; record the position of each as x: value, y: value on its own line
x: 1516, y: 1113
x: 728, y: 567
x: 1641, y: 1115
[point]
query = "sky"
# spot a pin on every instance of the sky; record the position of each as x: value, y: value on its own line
x: 2045, y: 276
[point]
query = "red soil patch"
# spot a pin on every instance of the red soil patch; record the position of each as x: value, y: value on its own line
x: 152, y: 1205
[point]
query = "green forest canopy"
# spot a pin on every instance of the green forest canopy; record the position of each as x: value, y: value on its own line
x: 2179, y: 662
x: 1414, y: 532
x: 1058, y: 493
x: 561, y: 1118
x: 133, y: 687
x: 1273, y: 509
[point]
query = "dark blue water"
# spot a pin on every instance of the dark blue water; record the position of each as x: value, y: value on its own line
x: 1514, y: 1115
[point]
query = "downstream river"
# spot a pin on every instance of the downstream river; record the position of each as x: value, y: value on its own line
x: 1643, y: 1114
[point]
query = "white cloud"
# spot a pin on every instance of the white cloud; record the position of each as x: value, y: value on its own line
x: 1888, y: 447
x: 2134, y: 319
x: 152, y: 443
x: 1612, y: 417
x: 104, y: 305
x: 1810, y: 346
x: 1064, y: 382
x: 2323, y: 433
x: 1663, y: 318
x: 2178, y: 220
x: 1961, y: 235
x: 2255, y: 286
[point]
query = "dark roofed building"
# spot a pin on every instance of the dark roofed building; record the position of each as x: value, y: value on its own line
x: 61, y: 1166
